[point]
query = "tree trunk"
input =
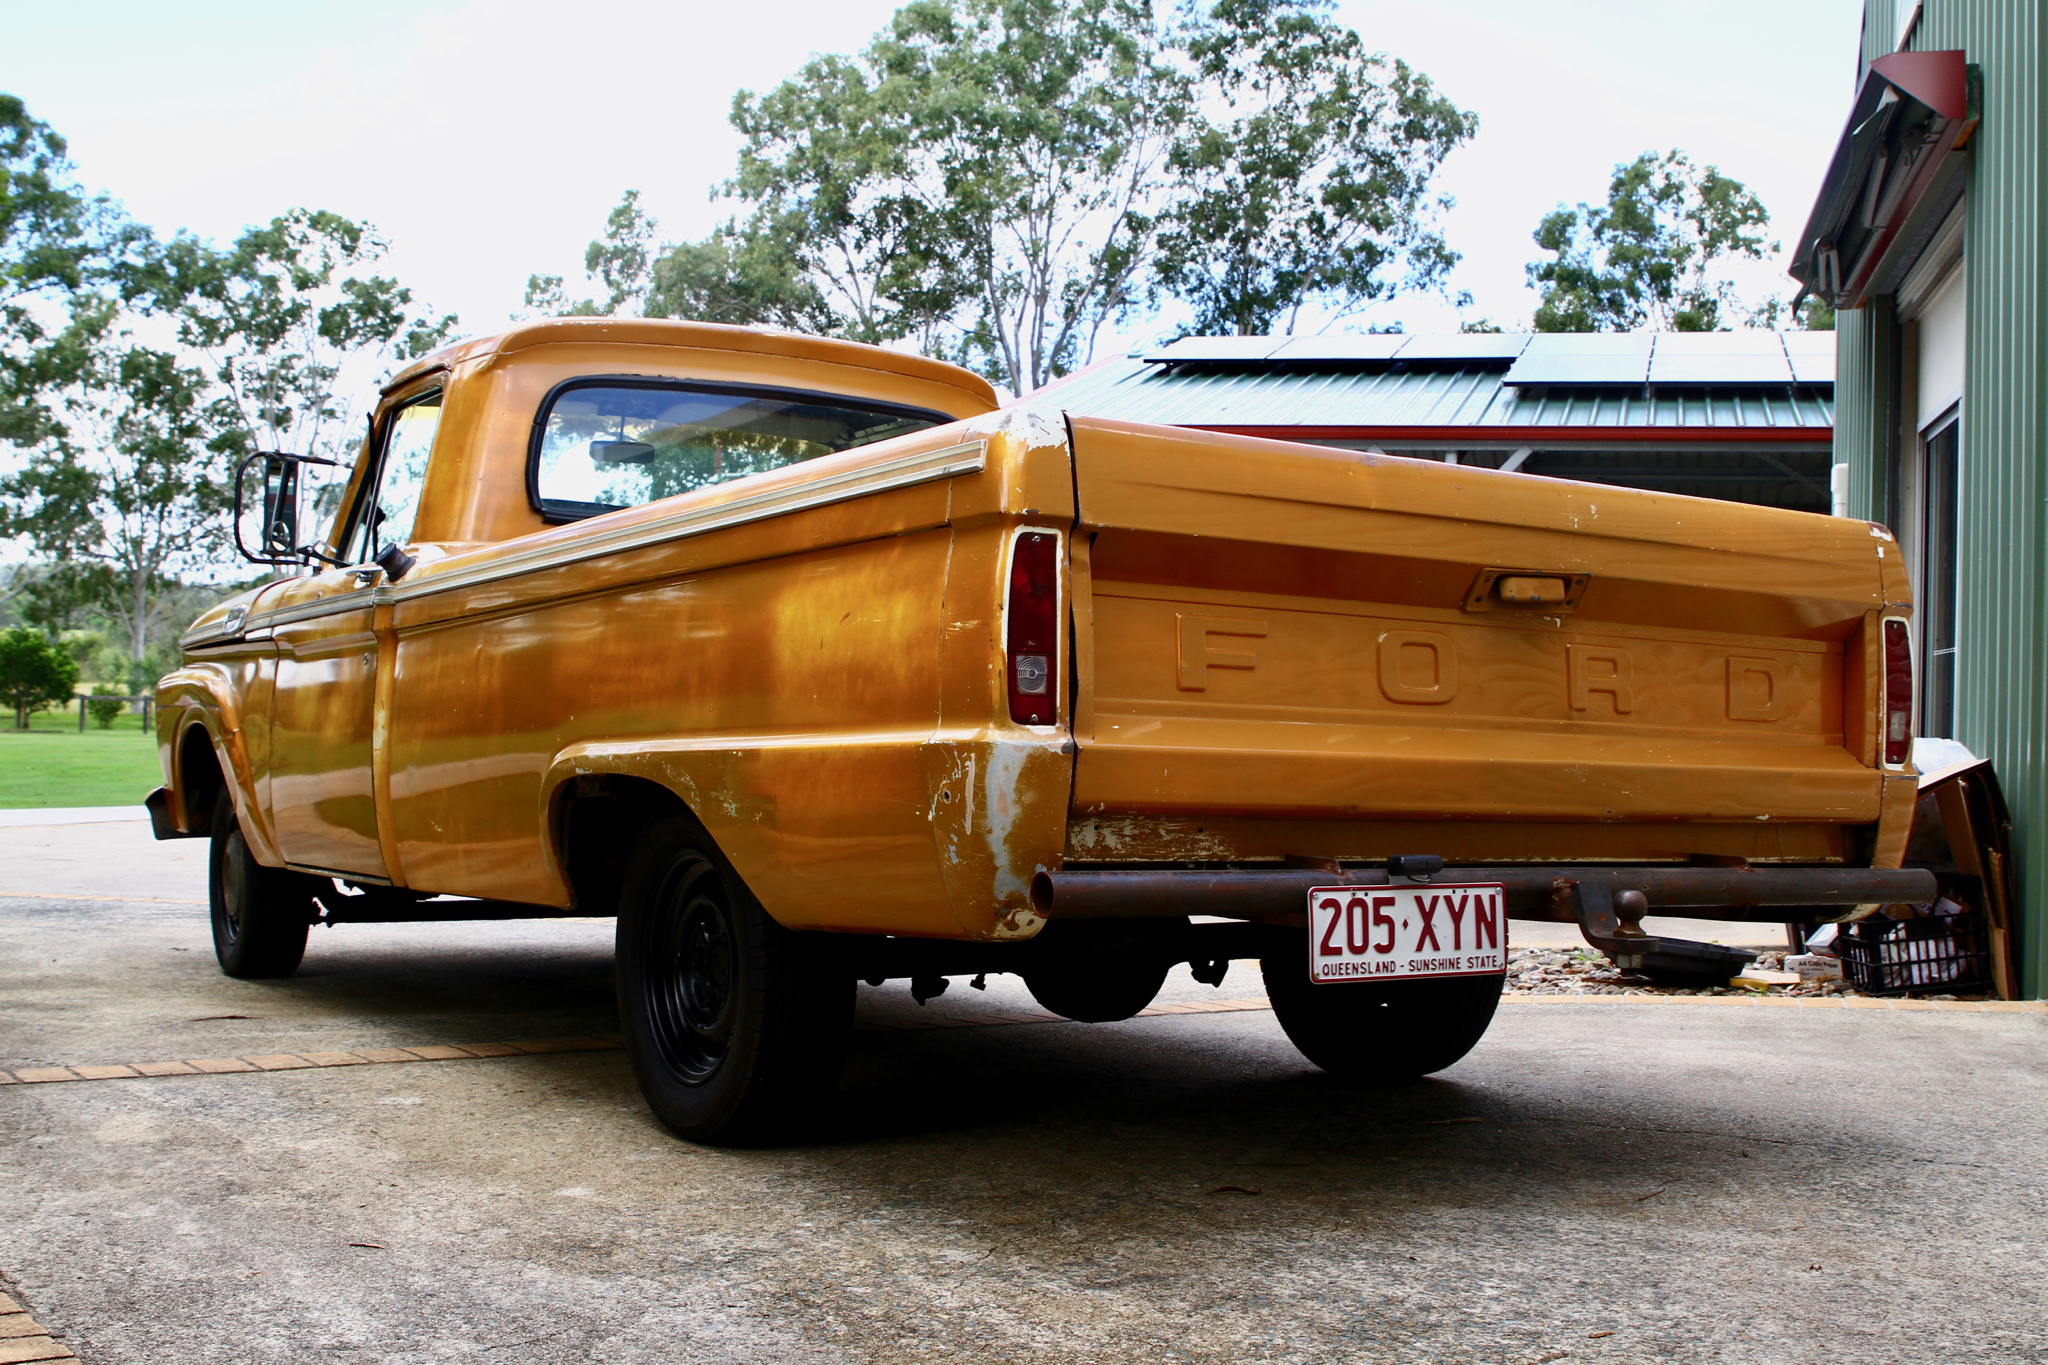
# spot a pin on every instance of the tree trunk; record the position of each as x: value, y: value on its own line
x: 138, y: 618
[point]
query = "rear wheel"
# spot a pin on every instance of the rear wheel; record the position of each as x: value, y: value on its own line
x: 260, y: 914
x: 736, y: 1027
x: 1380, y: 1032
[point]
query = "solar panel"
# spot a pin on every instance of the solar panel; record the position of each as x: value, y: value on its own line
x: 1216, y: 349
x: 1464, y: 346
x: 1754, y: 357
x: 1812, y: 355
x: 1583, y: 358
x: 1344, y: 346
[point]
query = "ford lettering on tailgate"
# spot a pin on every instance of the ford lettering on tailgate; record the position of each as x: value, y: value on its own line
x: 1400, y: 933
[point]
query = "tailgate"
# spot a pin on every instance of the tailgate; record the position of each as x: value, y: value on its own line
x: 1288, y: 649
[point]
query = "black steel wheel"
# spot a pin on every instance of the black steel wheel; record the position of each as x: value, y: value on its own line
x: 261, y: 915
x: 1378, y: 1031
x: 736, y: 1027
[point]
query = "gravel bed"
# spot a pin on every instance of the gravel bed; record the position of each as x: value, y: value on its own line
x: 1581, y: 971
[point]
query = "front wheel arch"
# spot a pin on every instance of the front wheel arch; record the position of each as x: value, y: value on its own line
x: 199, y: 774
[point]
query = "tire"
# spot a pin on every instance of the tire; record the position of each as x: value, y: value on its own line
x: 736, y: 1027
x: 1378, y: 1032
x: 261, y: 915
x: 1101, y: 971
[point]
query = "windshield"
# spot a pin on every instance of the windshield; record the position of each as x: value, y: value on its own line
x: 614, y: 443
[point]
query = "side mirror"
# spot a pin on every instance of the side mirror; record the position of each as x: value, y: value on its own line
x: 280, y: 506
x: 277, y: 534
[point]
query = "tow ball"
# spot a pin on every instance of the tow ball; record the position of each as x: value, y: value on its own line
x: 1611, y: 920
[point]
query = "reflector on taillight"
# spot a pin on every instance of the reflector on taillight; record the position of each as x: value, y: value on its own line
x: 1898, y: 693
x: 1033, y: 634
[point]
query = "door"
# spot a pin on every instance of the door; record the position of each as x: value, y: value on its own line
x: 322, y: 714
x: 1940, y: 534
x: 323, y: 718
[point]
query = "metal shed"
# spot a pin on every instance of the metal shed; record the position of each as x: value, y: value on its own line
x: 1744, y: 416
x: 1929, y: 235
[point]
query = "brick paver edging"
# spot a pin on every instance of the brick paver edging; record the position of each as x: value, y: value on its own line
x: 450, y: 1052
x: 21, y: 1339
x: 1811, y: 1002
x: 299, y: 1061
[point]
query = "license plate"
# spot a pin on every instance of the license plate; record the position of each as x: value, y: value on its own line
x: 1404, y: 933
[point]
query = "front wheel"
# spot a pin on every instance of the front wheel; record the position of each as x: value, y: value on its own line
x: 261, y: 915
x: 1381, y: 1032
x: 736, y: 1027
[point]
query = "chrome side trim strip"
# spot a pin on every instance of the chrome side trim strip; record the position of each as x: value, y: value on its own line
x: 359, y: 600
x: 969, y: 457
x: 924, y: 467
x: 233, y: 627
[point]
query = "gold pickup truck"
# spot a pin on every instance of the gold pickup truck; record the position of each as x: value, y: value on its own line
x: 812, y: 664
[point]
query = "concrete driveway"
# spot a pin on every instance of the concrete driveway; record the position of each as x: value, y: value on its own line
x: 1621, y: 1180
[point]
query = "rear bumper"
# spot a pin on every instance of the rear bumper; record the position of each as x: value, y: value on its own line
x: 1532, y: 892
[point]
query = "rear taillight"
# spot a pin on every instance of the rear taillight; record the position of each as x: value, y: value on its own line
x: 1898, y: 693
x: 1033, y: 627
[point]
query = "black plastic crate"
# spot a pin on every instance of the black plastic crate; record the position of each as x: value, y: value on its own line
x: 1935, y: 954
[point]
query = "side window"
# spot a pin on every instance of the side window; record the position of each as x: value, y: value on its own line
x: 392, y: 496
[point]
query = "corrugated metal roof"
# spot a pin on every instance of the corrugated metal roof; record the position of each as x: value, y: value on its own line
x: 1393, y: 395
x: 1757, y: 356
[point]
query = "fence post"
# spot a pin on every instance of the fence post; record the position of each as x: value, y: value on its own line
x: 81, y: 715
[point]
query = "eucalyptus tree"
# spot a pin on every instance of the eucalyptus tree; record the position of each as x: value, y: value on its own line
x: 57, y: 248
x: 1304, y: 175
x: 1652, y: 255
x: 997, y: 181
x: 128, y: 489
x: 622, y: 259
x: 742, y: 274
x: 983, y: 180
x: 280, y: 317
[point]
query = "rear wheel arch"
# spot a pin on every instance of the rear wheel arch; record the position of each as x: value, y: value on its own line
x: 593, y: 821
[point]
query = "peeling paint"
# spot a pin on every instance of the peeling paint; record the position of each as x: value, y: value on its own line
x: 1035, y: 426
x: 1147, y: 837
x: 1005, y: 771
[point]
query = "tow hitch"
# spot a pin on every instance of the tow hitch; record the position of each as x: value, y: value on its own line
x: 1611, y: 920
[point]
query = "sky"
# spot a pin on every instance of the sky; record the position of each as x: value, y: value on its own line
x: 487, y: 139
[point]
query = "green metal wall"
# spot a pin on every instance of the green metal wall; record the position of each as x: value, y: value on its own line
x: 2002, y: 660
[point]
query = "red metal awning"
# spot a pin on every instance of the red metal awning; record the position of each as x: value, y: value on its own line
x: 1913, y: 115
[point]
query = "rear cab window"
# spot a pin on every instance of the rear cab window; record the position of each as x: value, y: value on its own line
x: 602, y: 444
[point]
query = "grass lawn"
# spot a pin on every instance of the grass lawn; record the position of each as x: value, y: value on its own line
x: 54, y: 765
